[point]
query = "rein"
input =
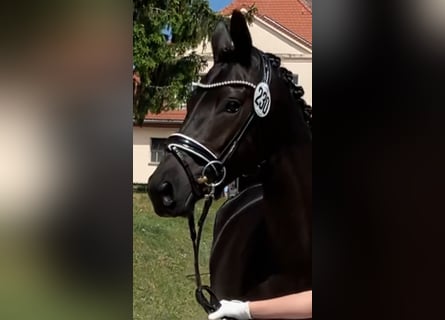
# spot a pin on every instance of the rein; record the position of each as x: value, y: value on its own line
x: 205, y: 303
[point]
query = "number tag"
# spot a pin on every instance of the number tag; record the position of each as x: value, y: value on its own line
x: 261, y: 99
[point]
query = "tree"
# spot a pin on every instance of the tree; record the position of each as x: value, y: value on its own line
x: 163, y: 31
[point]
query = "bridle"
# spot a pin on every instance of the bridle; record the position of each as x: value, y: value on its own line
x: 178, y: 143
x: 214, y: 170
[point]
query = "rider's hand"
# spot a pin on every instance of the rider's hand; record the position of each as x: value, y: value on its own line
x: 232, y: 309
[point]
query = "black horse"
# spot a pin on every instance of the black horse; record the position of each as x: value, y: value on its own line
x: 245, y: 116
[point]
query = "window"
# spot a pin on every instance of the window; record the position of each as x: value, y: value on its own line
x: 157, y: 149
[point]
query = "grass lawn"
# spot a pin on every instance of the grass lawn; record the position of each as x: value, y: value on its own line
x: 163, y: 276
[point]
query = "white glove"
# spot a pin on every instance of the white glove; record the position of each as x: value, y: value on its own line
x: 232, y: 309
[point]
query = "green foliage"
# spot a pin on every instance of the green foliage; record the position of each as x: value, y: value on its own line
x: 166, y: 69
x: 250, y: 13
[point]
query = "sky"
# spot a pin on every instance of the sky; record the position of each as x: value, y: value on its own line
x: 217, y: 5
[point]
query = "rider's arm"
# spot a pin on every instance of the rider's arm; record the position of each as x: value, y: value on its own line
x: 293, y: 306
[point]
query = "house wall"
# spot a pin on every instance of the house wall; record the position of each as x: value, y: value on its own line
x: 142, y: 167
x: 304, y: 70
x: 269, y: 39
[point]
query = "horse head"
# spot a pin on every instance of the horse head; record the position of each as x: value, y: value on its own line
x: 234, y: 119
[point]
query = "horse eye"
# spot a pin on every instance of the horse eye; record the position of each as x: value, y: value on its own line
x: 232, y: 106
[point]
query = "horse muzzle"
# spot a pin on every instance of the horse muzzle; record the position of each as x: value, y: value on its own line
x: 169, y: 190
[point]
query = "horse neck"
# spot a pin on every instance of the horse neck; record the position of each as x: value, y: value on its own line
x: 287, y: 185
x: 288, y: 176
x: 289, y: 171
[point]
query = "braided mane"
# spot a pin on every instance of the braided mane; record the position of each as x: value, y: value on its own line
x: 296, y: 90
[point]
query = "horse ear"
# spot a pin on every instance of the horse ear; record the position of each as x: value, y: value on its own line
x: 221, y: 41
x: 241, y: 37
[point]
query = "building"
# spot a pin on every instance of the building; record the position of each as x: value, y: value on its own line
x: 148, y: 142
x: 282, y: 27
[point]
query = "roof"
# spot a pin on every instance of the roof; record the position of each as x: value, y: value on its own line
x: 170, y: 117
x: 167, y: 115
x: 293, y: 15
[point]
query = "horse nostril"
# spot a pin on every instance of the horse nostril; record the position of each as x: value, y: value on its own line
x: 165, y: 187
x: 166, y: 190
